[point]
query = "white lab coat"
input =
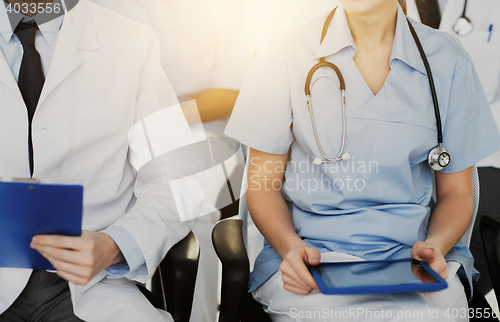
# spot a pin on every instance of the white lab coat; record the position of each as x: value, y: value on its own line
x: 105, y: 76
x: 204, y: 46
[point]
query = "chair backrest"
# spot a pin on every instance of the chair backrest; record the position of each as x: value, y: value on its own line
x: 236, y: 303
x: 174, y: 280
x: 254, y: 241
x: 490, y: 228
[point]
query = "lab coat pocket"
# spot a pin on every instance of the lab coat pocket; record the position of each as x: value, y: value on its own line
x: 101, y: 140
x: 483, y: 47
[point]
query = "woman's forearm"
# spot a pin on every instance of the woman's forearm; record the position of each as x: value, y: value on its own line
x: 272, y: 216
x: 449, y: 221
x: 453, y: 211
x: 265, y: 200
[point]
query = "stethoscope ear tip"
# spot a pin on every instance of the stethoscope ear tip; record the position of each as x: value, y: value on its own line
x: 318, y: 161
x: 346, y: 156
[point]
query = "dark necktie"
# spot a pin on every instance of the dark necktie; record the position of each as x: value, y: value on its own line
x: 31, y: 77
x: 428, y: 11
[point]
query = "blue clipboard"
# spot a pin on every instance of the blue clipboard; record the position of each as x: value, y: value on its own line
x: 376, y: 277
x: 29, y: 209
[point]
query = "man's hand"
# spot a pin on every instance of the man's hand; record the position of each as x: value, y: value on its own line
x: 78, y: 259
x: 430, y: 254
x: 296, y: 276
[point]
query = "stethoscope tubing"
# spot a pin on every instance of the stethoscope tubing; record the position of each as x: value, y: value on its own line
x: 465, y: 9
x: 323, y: 63
x: 431, y: 83
x: 462, y: 22
x: 309, y: 106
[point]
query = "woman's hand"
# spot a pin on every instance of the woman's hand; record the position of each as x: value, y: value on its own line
x: 426, y: 252
x: 296, y: 276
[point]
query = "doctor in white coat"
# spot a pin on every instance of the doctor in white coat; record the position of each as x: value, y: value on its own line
x: 206, y: 56
x: 105, y: 112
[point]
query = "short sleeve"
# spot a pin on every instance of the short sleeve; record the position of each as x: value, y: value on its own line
x: 262, y: 116
x: 470, y: 133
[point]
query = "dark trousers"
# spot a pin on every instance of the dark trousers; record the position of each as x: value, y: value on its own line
x: 489, y: 204
x: 46, y: 298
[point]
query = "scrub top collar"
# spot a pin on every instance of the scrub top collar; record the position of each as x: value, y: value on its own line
x: 48, y: 29
x: 404, y: 48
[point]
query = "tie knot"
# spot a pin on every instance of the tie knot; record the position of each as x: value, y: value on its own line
x: 26, y: 33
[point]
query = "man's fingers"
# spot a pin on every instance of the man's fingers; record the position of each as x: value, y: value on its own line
x: 57, y: 241
x: 73, y: 278
x: 67, y: 255
x: 68, y: 276
x: 76, y: 270
x: 73, y: 269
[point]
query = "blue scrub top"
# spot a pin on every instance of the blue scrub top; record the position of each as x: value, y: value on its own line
x: 375, y: 205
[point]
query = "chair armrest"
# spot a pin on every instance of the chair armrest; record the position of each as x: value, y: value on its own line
x: 175, y: 278
x: 228, y: 243
x: 490, y: 228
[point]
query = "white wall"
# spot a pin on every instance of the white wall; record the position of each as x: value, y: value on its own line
x: 265, y: 17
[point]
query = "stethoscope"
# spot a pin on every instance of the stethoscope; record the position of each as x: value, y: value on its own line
x: 463, y: 26
x: 438, y: 157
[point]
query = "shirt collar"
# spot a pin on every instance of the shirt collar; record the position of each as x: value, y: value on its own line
x: 404, y: 48
x: 337, y: 37
x: 9, y: 22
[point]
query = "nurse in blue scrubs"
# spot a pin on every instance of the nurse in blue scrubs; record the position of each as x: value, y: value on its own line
x: 375, y: 204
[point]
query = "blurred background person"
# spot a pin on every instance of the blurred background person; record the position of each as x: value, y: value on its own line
x: 205, y: 54
x: 477, y: 25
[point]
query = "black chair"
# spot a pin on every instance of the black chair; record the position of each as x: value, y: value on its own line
x: 236, y: 303
x: 490, y: 227
x: 480, y: 304
x: 173, y: 283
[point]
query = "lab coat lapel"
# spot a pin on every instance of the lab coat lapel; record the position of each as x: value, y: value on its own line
x: 7, y: 77
x: 77, y: 33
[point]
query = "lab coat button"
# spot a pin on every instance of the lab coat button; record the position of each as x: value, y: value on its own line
x: 18, y: 129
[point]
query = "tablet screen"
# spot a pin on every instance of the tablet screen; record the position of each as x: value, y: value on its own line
x: 406, y: 274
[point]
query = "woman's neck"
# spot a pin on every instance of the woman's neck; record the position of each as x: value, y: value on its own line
x: 375, y: 27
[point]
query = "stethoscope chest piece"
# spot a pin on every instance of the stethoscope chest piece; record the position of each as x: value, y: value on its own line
x: 463, y: 26
x: 439, y: 158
